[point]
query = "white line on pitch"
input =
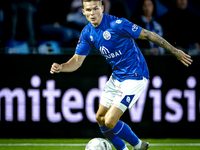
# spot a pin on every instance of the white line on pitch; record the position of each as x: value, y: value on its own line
x: 35, y: 144
x: 155, y: 144
x: 176, y: 144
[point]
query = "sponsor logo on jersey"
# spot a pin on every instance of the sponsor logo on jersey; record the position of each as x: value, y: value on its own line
x: 119, y: 21
x: 113, y: 55
x: 135, y: 27
x: 106, y: 35
x: 104, y: 51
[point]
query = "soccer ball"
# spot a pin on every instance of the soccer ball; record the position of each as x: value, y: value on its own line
x: 98, y: 144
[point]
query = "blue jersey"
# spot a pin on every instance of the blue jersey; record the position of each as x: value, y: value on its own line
x: 114, y: 39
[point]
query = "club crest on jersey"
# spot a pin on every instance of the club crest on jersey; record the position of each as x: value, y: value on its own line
x: 106, y: 35
x: 119, y: 21
x: 135, y: 28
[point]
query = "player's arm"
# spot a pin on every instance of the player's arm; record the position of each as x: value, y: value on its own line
x: 71, y: 65
x: 158, y: 40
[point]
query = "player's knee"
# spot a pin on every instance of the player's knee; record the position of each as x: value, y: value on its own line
x: 100, y: 119
x: 109, y: 123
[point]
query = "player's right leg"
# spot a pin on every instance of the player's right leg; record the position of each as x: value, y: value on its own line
x: 104, y: 106
x: 100, y: 116
x: 117, y: 142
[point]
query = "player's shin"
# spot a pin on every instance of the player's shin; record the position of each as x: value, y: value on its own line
x: 117, y: 142
x: 122, y: 130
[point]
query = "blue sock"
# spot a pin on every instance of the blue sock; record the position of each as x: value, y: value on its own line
x: 122, y: 130
x: 117, y: 142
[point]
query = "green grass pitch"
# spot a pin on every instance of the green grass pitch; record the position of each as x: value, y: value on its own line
x: 79, y: 144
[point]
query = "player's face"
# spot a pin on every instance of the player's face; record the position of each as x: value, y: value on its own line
x: 147, y: 8
x: 93, y: 11
x: 181, y: 4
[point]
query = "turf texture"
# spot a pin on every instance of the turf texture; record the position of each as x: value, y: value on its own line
x: 79, y: 144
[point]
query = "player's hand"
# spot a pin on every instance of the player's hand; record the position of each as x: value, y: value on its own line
x: 55, y: 68
x: 184, y: 58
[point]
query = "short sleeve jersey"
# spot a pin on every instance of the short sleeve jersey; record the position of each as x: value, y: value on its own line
x: 114, y: 39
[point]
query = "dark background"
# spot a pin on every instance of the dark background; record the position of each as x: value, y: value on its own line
x: 17, y: 71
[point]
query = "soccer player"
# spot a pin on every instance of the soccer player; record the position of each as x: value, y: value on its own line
x: 114, y: 38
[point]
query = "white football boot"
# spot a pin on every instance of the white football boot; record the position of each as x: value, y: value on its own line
x: 144, y: 146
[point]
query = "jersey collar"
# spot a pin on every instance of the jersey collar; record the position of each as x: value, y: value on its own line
x: 101, y: 24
